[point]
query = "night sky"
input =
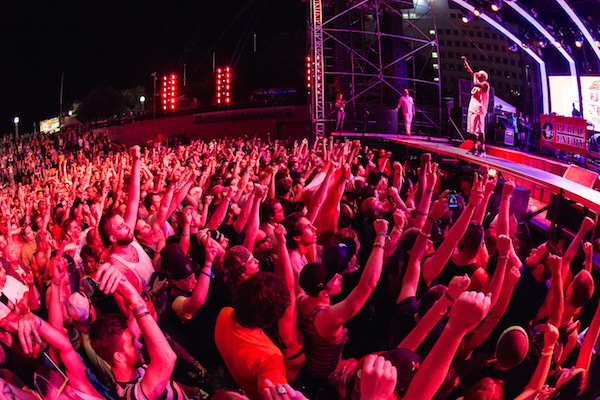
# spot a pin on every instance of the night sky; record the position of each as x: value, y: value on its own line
x: 122, y: 43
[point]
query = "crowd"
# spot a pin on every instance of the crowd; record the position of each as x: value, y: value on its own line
x: 237, y: 269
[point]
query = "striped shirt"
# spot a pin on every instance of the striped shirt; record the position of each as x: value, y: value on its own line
x: 133, y: 390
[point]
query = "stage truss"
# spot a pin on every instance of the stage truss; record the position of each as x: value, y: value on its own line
x: 370, y: 50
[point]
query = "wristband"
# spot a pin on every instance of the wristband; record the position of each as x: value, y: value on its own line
x: 446, y: 295
x: 427, y: 235
x: 211, y: 275
x: 39, y: 323
x: 504, y: 197
x: 470, y: 205
x: 547, y: 352
x: 185, y: 234
x: 137, y: 317
x: 139, y: 309
x: 379, y: 244
x: 431, y: 219
x: 421, y: 213
x: 55, y: 283
x: 427, y: 190
x: 502, y: 257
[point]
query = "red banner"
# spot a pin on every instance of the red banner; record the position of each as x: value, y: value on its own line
x: 564, y: 133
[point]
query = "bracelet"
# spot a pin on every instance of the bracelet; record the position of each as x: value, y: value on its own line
x: 427, y: 235
x: 427, y: 190
x: 379, y: 244
x: 504, y: 197
x: 385, y: 235
x: 421, y: 213
x: 203, y: 236
x: 446, y: 295
x: 139, y: 309
x: 55, y: 283
x: 207, y: 265
x: 211, y: 275
x: 39, y: 323
x: 185, y: 234
x: 502, y: 257
x: 470, y: 205
x: 431, y: 219
x: 547, y: 353
x: 137, y: 317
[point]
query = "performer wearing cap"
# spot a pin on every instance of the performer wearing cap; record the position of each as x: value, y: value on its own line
x: 478, y: 106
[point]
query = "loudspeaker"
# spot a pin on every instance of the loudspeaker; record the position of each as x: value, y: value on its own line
x: 387, y: 121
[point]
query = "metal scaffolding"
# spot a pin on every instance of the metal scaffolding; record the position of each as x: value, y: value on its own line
x: 370, y: 50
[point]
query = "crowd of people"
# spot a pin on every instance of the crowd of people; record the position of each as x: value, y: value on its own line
x: 239, y: 268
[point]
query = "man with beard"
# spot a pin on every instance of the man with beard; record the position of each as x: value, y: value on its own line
x: 117, y: 233
x: 114, y: 341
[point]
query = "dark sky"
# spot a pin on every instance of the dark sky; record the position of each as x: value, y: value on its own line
x: 120, y: 43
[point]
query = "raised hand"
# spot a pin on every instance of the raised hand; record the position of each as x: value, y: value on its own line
x: 490, y: 184
x: 381, y: 226
x: 108, y: 278
x: 587, y: 224
x: 439, y: 208
x: 468, y: 310
x: 508, y: 188
x: 280, y: 392
x: 135, y: 152
x: 550, y: 336
x: 504, y: 244
x: 554, y: 264
x: 588, y: 249
x: 211, y: 250
x: 400, y: 220
x: 457, y: 285
x: 476, y: 192
x: 378, y: 378
x: 280, y: 233
x: 512, y: 276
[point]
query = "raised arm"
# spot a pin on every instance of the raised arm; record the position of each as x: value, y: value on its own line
x: 541, y: 371
x: 182, y: 305
x: 434, y: 264
x: 504, y: 244
x: 413, y: 269
x: 162, y: 358
x: 260, y: 191
x: 585, y: 353
x: 133, y: 193
x: 457, y: 285
x: 490, y: 185
x: 219, y: 215
x: 475, y: 338
x: 30, y: 326
x: 428, y: 180
x: 468, y: 310
x: 586, y: 226
x: 341, y: 312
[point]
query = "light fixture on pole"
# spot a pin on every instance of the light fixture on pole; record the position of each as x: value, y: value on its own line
x: 16, y: 120
x: 467, y: 17
x: 496, y: 5
x: 142, y: 100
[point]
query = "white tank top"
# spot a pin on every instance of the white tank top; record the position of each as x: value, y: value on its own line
x: 143, y: 269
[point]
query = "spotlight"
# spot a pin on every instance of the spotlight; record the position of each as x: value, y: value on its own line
x: 477, y: 12
x: 542, y: 43
x: 467, y: 17
x: 597, y: 43
x: 558, y: 45
x: 578, y: 41
x: 513, y: 48
x: 497, y: 5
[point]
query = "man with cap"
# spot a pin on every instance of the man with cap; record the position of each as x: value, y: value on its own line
x: 322, y: 323
x: 188, y: 323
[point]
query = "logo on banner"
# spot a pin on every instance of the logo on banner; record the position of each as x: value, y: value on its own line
x: 548, y: 130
